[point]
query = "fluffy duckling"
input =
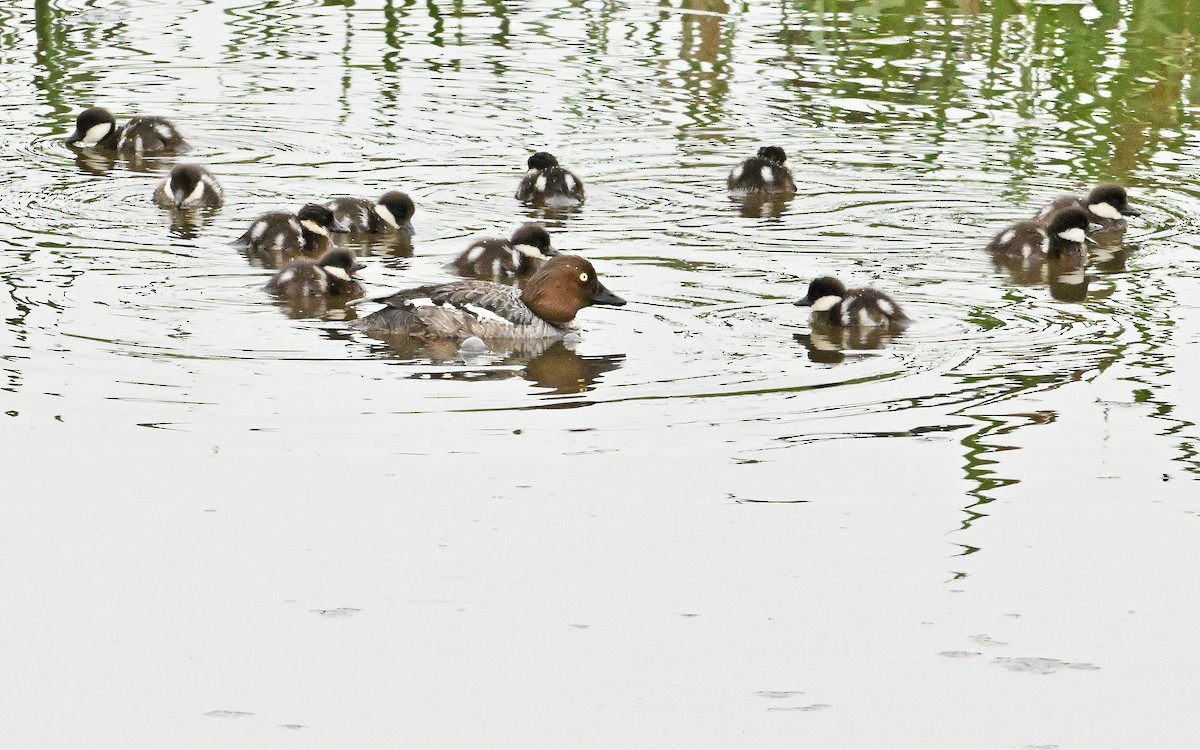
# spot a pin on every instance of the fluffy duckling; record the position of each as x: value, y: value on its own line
x: 498, y: 258
x: 1064, y: 231
x: 835, y: 305
x: 768, y: 172
x: 1107, y: 205
x: 334, y: 274
x: 97, y: 128
x: 544, y: 308
x: 189, y: 186
x: 548, y: 183
x: 305, y: 231
x: 392, y: 212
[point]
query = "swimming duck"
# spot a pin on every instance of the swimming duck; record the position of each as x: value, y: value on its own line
x: 1064, y: 231
x: 97, y: 128
x: 1107, y: 205
x: 768, y: 172
x: 835, y: 305
x: 393, y: 211
x: 306, y: 231
x: 189, y: 186
x: 334, y: 274
x: 544, y: 308
x: 547, y: 182
x: 498, y: 258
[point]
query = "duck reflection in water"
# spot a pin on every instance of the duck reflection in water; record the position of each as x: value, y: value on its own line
x: 831, y: 345
x: 102, y: 163
x: 551, y: 364
x: 1064, y: 275
x: 187, y: 223
x: 762, y: 205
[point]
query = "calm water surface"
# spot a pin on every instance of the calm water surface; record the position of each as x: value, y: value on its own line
x: 229, y: 522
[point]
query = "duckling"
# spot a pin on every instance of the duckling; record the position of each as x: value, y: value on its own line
x: 834, y: 305
x: 548, y: 183
x: 544, y: 309
x: 498, y: 258
x: 334, y: 274
x: 768, y: 172
x: 189, y: 186
x: 97, y: 128
x: 1065, y: 231
x: 305, y: 231
x: 1107, y: 205
x: 393, y: 211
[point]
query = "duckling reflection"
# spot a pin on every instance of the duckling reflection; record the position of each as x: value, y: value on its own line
x: 1065, y: 275
x: 762, y: 205
x: 187, y: 223
x: 101, y: 163
x: 1110, y: 254
x: 1067, y: 278
x: 831, y: 345
x: 98, y: 163
x: 303, y: 307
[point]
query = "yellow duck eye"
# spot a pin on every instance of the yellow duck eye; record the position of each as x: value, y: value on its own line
x: 583, y: 277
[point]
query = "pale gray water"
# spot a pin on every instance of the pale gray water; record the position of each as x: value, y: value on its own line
x: 228, y: 525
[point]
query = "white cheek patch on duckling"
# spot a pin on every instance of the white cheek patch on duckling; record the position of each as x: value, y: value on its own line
x: 529, y: 251
x: 286, y: 276
x: 864, y: 317
x: 258, y: 230
x: 337, y: 273
x: 570, y: 180
x: 1074, y: 235
x: 824, y: 304
x: 95, y: 133
x: 474, y: 253
x: 164, y: 132
x: 736, y: 174
x: 314, y: 227
x: 1105, y: 211
x: 1007, y: 237
x: 386, y: 215
x: 767, y: 175
x: 484, y: 314
x: 540, y: 185
x: 514, y: 258
x: 887, y: 308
